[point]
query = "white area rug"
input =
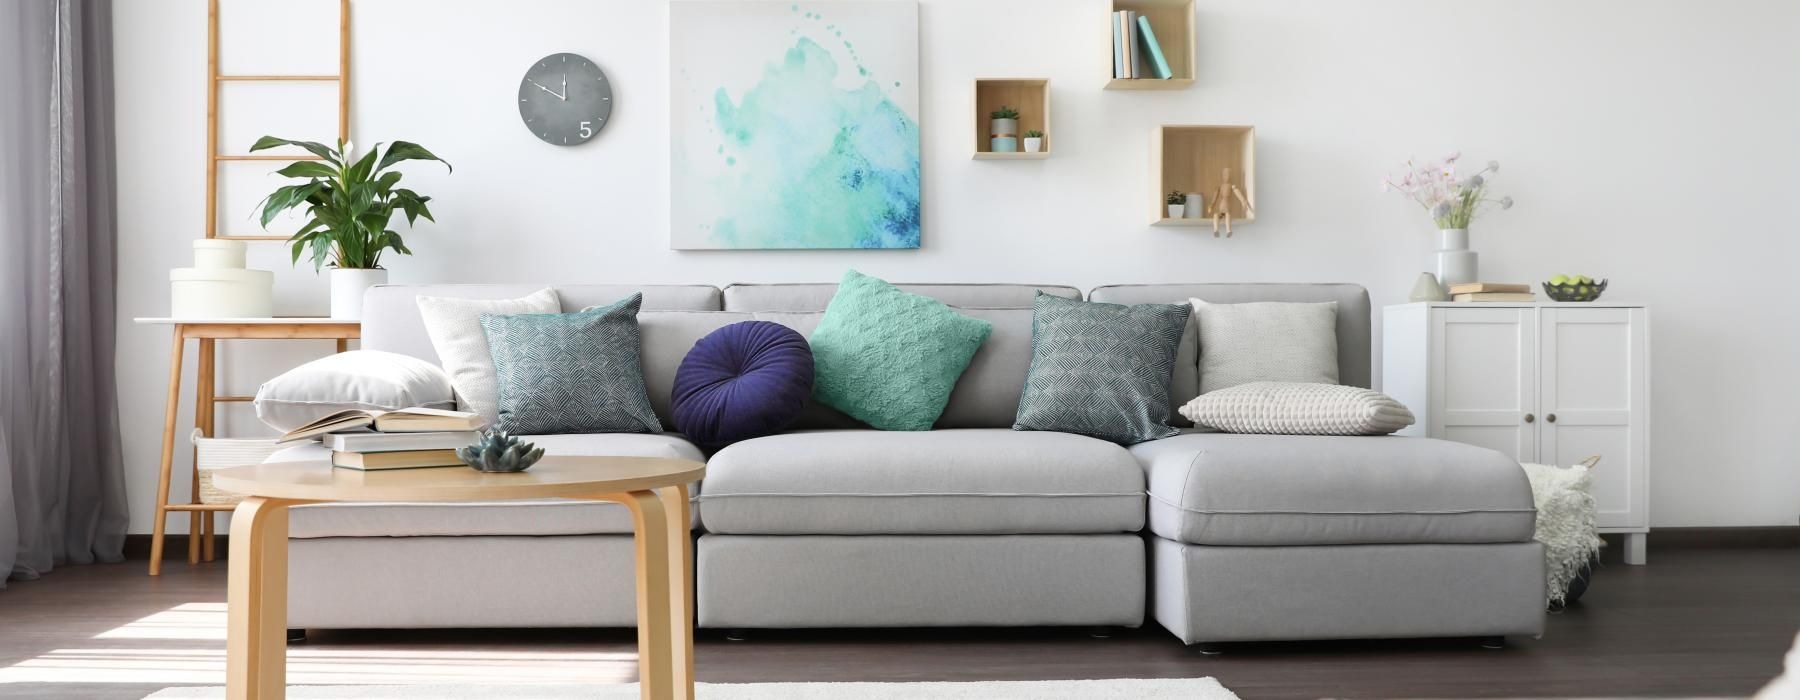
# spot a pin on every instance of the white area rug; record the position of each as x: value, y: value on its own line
x: 1120, y: 689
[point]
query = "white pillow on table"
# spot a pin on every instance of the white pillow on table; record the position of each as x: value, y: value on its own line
x: 359, y: 379
x: 454, y: 325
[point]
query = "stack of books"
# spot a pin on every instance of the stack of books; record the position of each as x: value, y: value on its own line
x: 1136, y: 53
x: 1490, y: 291
x: 408, y: 438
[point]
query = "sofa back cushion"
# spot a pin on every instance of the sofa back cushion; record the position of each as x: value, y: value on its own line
x: 391, y: 320
x: 814, y: 296
x: 1353, y: 342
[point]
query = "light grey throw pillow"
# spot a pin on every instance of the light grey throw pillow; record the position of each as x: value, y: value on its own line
x: 1266, y: 341
x: 454, y: 325
x: 359, y: 379
x: 1288, y: 408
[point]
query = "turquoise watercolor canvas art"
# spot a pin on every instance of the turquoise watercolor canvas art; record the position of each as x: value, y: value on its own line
x: 794, y: 125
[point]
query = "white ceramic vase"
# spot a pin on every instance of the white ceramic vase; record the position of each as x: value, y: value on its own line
x: 347, y: 288
x: 1195, y: 206
x: 1033, y: 144
x: 1456, y: 264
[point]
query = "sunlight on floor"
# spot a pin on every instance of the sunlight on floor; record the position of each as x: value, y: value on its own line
x: 191, y: 649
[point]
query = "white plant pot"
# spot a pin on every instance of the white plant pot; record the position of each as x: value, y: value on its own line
x: 347, y: 288
x: 1033, y: 144
x: 1194, y: 206
x: 1175, y: 211
x: 1456, y: 264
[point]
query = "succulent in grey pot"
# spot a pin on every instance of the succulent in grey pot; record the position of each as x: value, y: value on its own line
x: 497, y: 451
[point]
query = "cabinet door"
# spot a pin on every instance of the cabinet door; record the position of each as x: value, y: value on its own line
x: 1483, y: 369
x: 1594, y: 390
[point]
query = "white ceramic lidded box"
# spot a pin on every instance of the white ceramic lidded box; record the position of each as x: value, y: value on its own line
x: 218, y: 286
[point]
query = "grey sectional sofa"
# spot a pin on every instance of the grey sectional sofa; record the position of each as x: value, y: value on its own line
x: 1222, y: 537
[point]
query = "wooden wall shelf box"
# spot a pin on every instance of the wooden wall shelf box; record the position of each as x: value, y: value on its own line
x: 1030, y: 96
x: 1193, y: 158
x: 1173, y: 22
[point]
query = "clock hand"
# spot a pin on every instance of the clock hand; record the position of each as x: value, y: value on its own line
x: 565, y: 88
x: 540, y: 86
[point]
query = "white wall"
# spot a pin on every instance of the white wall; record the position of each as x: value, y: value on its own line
x: 1650, y: 142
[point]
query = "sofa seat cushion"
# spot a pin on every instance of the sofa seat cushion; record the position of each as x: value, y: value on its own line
x: 1272, y: 490
x: 536, y: 518
x: 976, y: 481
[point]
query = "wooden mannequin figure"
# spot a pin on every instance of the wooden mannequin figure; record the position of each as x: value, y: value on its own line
x: 1221, y: 204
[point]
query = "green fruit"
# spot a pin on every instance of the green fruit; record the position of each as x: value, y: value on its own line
x: 1582, y: 290
x: 1584, y: 279
x: 1559, y: 280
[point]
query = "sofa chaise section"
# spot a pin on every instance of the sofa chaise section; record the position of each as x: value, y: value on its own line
x: 1281, y: 537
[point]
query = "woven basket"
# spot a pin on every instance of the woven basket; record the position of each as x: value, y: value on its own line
x: 212, y: 454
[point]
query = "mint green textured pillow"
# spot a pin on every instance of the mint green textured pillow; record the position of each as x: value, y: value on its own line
x: 890, y: 358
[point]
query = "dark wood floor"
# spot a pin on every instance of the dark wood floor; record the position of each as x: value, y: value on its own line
x: 1696, y: 622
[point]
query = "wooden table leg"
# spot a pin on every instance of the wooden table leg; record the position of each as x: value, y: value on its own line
x: 656, y: 584
x: 256, y: 603
x: 168, y: 452
x: 681, y: 572
x: 343, y: 344
x: 203, y: 396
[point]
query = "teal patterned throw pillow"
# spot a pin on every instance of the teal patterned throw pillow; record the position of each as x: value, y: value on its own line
x: 571, y: 373
x: 890, y: 358
x: 1101, y: 370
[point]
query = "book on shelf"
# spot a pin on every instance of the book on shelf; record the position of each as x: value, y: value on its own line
x: 1136, y: 43
x: 410, y: 459
x: 400, y: 442
x: 1480, y: 287
x: 1493, y: 296
x: 1159, y: 64
x: 405, y: 420
x: 1118, y: 29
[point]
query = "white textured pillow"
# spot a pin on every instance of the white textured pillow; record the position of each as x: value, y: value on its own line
x: 1266, y: 341
x: 365, y: 379
x: 454, y: 325
x: 1289, y: 408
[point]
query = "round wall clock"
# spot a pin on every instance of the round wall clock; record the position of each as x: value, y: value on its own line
x: 565, y: 99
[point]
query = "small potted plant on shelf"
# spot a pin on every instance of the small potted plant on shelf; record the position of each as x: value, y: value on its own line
x: 349, y: 204
x: 1034, y: 141
x: 1003, y: 131
x: 1177, y: 202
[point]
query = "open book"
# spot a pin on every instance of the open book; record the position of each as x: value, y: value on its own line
x: 405, y: 420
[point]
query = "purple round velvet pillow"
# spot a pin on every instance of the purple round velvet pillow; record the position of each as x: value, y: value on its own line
x: 745, y: 380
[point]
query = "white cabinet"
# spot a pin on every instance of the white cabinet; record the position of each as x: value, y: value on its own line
x: 1548, y: 383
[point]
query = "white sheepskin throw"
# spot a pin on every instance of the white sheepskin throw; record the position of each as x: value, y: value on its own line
x: 1565, y: 522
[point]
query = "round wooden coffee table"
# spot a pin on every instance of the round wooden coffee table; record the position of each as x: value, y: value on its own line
x: 655, y: 489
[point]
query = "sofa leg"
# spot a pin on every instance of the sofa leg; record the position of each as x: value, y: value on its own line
x: 1494, y: 642
x: 1209, y: 648
x: 737, y: 635
x: 296, y: 635
x: 1101, y: 632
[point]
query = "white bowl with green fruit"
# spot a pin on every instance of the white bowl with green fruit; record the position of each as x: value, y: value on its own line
x: 1574, y: 288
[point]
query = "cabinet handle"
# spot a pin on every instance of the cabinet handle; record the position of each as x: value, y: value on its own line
x: 1551, y: 418
x: 1530, y: 418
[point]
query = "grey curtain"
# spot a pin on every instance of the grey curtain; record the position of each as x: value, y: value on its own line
x: 62, y: 485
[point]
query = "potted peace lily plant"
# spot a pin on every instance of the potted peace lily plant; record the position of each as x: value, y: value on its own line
x: 349, y: 203
x: 1453, y: 202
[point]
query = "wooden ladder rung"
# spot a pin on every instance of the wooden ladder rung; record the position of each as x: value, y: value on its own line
x: 233, y: 399
x: 184, y: 507
x: 280, y: 78
x: 222, y: 156
x: 251, y: 238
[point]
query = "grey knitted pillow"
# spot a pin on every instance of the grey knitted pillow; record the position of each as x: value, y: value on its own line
x: 1266, y: 341
x: 1291, y: 408
x: 571, y: 373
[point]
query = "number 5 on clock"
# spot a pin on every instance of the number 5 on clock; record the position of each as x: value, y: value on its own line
x: 586, y: 131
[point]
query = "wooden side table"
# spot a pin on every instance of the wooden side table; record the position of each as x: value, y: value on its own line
x: 654, y: 489
x: 202, y: 517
